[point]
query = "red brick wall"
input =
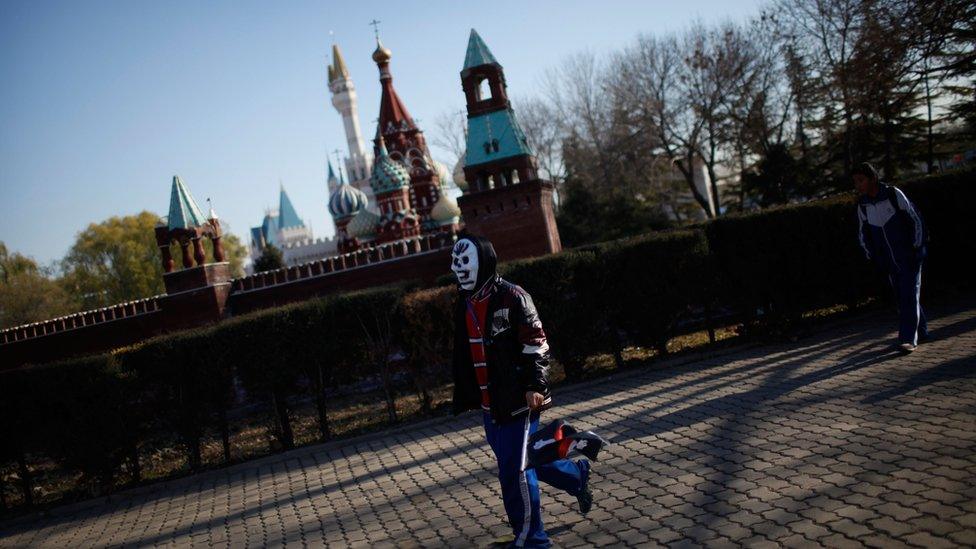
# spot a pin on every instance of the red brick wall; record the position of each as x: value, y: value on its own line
x: 519, y: 219
x: 423, y: 266
x: 89, y: 339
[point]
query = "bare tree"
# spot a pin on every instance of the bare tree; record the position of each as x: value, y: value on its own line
x: 652, y: 80
x: 545, y: 132
x: 450, y: 133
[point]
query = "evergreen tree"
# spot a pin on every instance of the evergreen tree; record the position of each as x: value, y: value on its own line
x: 271, y: 259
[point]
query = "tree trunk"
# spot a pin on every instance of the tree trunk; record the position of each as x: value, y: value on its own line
x: 134, y: 462
x: 930, y: 157
x: 325, y: 432
x: 25, y: 479
x: 689, y: 176
x: 225, y: 434
x: 3, y: 492
x: 390, y: 394
x: 193, y: 447
x: 282, y: 423
x: 709, y: 324
x: 618, y: 348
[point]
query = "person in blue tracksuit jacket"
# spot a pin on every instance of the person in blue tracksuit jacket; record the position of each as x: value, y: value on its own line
x: 892, y: 234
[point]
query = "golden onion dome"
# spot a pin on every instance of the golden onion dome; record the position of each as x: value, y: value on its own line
x: 382, y: 53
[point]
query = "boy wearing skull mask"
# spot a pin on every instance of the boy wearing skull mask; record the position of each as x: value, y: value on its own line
x: 501, y: 366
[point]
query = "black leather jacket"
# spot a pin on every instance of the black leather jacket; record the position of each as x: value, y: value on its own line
x: 517, y: 354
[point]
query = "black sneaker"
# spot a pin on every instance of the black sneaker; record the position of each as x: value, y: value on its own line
x: 585, y: 497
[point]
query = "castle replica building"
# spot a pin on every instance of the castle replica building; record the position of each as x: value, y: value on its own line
x: 403, y: 226
x: 283, y: 229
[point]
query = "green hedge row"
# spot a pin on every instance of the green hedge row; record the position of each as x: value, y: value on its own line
x: 94, y: 414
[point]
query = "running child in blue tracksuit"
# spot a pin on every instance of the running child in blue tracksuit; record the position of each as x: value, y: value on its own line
x: 501, y: 368
x: 892, y: 235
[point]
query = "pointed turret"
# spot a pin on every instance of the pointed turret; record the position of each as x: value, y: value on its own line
x: 332, y: 181
x: 394, y: 116
x: 183, y: 210
x: 478, y: 53
x: 497, y: 152
x: 338, y: 67
x: 287, y: 216
x: 344, y: 100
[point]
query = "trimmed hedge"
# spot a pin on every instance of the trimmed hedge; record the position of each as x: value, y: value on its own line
x: 787, y: 260
x: 96, y: 415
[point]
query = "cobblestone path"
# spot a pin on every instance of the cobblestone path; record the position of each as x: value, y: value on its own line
x: 834, y: 440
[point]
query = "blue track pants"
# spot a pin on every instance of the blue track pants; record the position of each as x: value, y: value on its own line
x: 907, y: 284
x: 520, y: 489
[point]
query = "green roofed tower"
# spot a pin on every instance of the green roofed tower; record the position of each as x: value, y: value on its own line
x: 498, y: 153
x: 478, y: 53
x: 183, y: 210
x: 505, y: 201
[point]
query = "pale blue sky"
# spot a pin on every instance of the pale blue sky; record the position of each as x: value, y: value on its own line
x: 102, y: 102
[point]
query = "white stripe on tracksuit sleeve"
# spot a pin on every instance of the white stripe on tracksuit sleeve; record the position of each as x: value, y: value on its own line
x: 860, y: 231
x: 904, y: 204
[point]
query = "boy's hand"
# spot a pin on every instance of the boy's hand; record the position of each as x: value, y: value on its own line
x: 533, y: 399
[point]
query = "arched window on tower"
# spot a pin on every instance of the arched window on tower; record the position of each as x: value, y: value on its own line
x: 484, y: 90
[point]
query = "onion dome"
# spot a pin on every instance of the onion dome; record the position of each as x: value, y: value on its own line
x: 382, y: 54
x: 459, y: 175
x: 445, y: 210
x: 443, y: 174
x: 346, y: 201
x: 363, y: 225
x: 388, y: 174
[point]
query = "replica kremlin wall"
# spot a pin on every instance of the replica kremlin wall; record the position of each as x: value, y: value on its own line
x: 505, y: 202
x: 518, y: 219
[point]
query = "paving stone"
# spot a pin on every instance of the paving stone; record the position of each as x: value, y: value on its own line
x: 830, y: 441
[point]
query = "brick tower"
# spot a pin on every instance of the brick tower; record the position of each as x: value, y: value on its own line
x: 505, y: 201
x: 197, y: 293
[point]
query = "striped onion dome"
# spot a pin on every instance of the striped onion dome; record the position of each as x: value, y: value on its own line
x: 363, y: 225
x: 388, y: 174
x: 346, y: 201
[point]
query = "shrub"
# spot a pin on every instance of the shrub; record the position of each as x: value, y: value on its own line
x: 649, y: 282
x: 427, y: 334
x: 790, y: 259
x: 570, y: 308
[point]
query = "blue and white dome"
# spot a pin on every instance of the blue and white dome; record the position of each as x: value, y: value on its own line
x: 346, y: 201
x: 388, y: 174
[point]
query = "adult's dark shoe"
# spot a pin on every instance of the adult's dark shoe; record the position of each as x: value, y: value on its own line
x: 585, y: 497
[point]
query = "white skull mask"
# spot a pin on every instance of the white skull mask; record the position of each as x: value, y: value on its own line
x: 464, y: 263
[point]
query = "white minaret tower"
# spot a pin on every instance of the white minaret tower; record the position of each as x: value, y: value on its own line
x: 344, y: 100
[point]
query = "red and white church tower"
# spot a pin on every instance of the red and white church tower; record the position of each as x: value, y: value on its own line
x: 405, y: 142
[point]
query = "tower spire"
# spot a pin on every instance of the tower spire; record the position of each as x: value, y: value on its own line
x: 344, y: 100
